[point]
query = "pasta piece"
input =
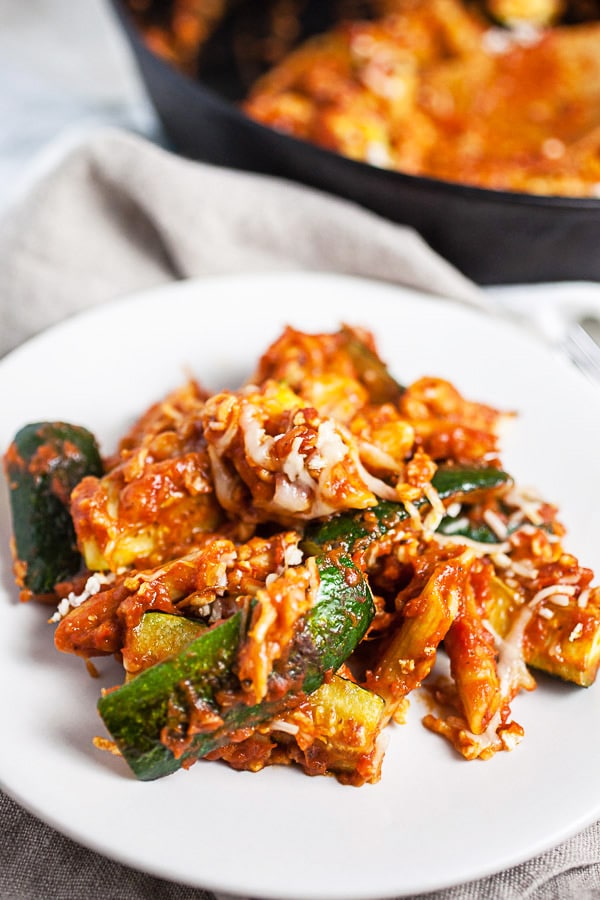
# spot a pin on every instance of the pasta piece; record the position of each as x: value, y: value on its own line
x: 409, y: 655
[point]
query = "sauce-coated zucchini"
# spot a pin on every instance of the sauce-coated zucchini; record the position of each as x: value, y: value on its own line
x: 184, y: 707
x: 348, y: 528
x: 43, y: 464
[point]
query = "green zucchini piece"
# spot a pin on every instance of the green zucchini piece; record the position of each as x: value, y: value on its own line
x: 345, y: 722
x: 158, y: 636
x: 196, y: 694
x: 382, y: 386
x: 460, y: 526
x: 480, y: 532
x: 43, y: 464
x: 566, y: 646
x: 340, y: 701
x: 348, y: 528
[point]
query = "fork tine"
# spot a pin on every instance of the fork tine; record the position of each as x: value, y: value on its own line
x: 582, y: 349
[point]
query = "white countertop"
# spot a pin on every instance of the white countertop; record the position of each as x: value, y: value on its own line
x: 64, y: 68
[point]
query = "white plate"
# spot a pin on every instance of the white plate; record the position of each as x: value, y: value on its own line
x: 434, y: 820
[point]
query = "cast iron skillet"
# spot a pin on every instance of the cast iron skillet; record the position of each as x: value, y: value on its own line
x: 493, y: 237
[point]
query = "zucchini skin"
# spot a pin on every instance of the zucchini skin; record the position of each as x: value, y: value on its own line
x: 166, y: 697
x: 158, y: 636
x: 43, y: 464
x: 481, y: 533
x: 347, y: 529
x: 382, y: 386
x: 137, y: 712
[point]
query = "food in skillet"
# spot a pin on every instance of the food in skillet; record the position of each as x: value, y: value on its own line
x: 279, y: 566
x: 176, y: 29
x: 433, y: 88
x: 501, y: 94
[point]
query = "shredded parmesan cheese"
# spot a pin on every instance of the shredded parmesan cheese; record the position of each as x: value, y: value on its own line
x: 527, y: 501
x: 550, y: 591
x: 413, y: 513
x: 286, y: 727
x: 437, y: 512
x: 502, y: 560
x: 576, y: 632
x: 480, y: 546
x: 559, y: 599
x: 524, y: 568
x: 454, y: 510
x: 582, y: 600
x: 293, y: 555
x: 496, y: 524
x: 92, y: 586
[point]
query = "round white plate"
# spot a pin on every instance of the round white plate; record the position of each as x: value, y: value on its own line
x: 433, y: 820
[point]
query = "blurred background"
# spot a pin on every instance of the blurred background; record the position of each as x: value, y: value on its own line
x: 64, y: 68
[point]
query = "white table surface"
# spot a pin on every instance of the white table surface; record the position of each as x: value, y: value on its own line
x: 64, y: 68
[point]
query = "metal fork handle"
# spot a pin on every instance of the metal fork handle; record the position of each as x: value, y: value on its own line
x: 582, y: 350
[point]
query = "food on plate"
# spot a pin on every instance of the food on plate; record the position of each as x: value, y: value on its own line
x: 40, y: 494
x: 280, y: 566
x: 433, y: 88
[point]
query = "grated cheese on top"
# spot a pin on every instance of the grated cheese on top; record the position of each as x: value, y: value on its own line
x: 92, y: 586
x: 293, y: 555
x: 437, y: 512
x: 576, y: 632
x: 582, y: 600
x: 286, y: 727
x: 550, y: 591
x: 481, y: 546
x: 524, y: 568
x: 527, y: 501
x: 496, y: 524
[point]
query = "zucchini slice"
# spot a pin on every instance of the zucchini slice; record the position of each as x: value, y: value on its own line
x: 566, y: 646
x: 373, y: 372
x: 43, y: 464
x: 183, y: 708
x: 158, y: 636
x: 339, y: 726
x: 348, y: 528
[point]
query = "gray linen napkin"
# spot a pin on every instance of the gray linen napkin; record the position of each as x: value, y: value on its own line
x: 118, y: 215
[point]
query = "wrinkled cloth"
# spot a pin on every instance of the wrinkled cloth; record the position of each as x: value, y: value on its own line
x: 119, y: 214
x: 38, y: 862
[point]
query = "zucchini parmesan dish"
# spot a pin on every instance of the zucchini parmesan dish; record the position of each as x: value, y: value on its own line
x: 499, y: 94
x: 278, y: 567
x: 503, y: 95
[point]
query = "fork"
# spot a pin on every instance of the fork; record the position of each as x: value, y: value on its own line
x: 565, y: 315
x: 581, y: 347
